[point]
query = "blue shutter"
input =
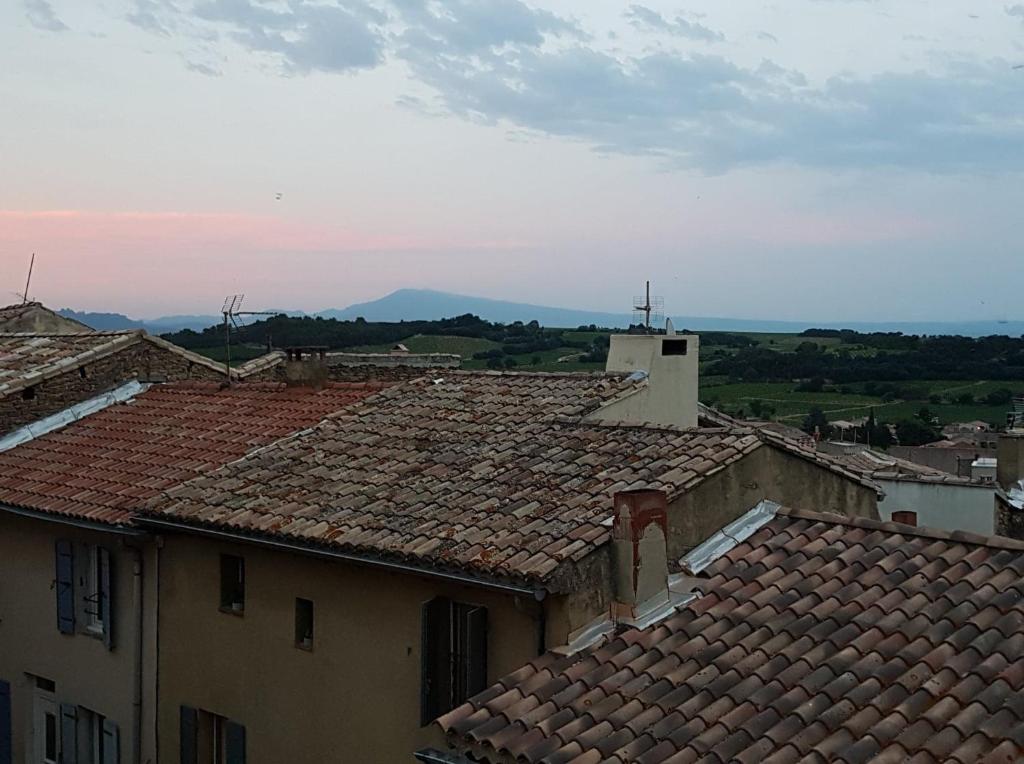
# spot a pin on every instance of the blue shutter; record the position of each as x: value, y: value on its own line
x: 68, y: 733
x: 65, y: 588
x: 106, y: 603
x: 6, y: 753
x: 235, y: 739
x: 188, y: 736
x: 111, y: 743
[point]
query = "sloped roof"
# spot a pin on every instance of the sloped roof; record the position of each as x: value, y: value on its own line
x: 104, y: 466
x: 36, y: 317
x: 882, y: 466
x: 492, y: 472
x: 820, y: 639
x: 28, y: 358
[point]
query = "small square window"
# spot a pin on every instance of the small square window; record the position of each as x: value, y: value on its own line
x: 29, y: 393
x: 303, y: 623
x: 673, y: 347
x: 232, y: 583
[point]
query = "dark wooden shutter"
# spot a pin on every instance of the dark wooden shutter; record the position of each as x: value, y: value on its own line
x: 68, y: 733
x: 475, y: 651
x: 106, y: 603
x: 65, y: 588
x: 189, y: 735
x: 111, y: 743
x: 235, y: 740
x: 6, y: 748
x: 435, y: 659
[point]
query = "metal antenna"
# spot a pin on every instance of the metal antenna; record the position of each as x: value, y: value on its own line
x: 231, y: 310
x: 652, y: 308
x: 28, y: 281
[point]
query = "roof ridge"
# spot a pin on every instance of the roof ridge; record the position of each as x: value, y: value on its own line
x: 76, y: 335
x: 959, y: 537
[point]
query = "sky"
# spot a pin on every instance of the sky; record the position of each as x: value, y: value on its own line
x: 806, y: 159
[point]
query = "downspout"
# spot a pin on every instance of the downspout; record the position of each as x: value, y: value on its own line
x: 542, y: 622
x: 137, y: 597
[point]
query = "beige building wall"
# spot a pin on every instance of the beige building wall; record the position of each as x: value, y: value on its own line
x: 355, y: 697
x: 85, y: 672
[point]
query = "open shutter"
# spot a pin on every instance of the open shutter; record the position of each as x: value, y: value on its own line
x: 65, y: 588
x: 111, y: 743
x: 68, y: 733
x: 189, y: 735
x: 235, y: 743
x: 6, y: 750
x: 476, y: 651
x: 435, y: 659
x: 106, y: 603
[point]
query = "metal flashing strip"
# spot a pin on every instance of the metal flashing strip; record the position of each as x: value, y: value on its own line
x: 70, y: 415
x: 729, y: 537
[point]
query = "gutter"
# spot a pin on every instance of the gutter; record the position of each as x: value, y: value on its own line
x: 418, y: 570
x: 433, y: 756
x: 92, y: 525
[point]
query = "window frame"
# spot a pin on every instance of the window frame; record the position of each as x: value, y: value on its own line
x: 305, y: 637
x: 232, y: 593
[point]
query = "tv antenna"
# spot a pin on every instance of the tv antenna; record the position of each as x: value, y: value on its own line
x: 652, y: 308
x: 28, y: 281
x: 232, y: 310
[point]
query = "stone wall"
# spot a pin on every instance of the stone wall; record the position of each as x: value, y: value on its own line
x: 142, y: 361
x: 1009, y: 519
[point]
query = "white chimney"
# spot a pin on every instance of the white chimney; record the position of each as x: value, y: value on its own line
x: 671, y: 362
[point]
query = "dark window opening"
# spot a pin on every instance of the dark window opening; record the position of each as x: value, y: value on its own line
x: 303, y: 623
x: 454, y: 656
x: 673, y: 347
x: 232, y: 583
x: 28, y: 394
x: 82, y: 372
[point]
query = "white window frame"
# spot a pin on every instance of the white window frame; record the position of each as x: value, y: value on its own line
x: 94, y: 594
x: 44, y: 704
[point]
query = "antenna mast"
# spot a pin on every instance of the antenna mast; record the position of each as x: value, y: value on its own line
x: 653, y: 309
x: 28, y: 281
x: 231, y: 310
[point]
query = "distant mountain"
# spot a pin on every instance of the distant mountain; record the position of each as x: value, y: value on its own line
x: 427, y: 304
x: 112, y: 322
x: 431, y: 305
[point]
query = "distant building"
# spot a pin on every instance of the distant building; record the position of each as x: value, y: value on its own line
x: 35, y: 318
x: 42, y: 374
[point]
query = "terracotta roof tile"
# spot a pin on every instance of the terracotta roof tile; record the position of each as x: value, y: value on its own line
x: 790, y: 678
x: 500, y: 474
x: 104, y: 466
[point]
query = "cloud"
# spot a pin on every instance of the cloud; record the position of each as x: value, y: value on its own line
x: 504, y: 62
x: 1016, y: 10
x: 305, y: 36
x: 42, y: 16
x: 150, y: 15
x: 201, y: 68
x: 644, y: 18
x: 768, y: 36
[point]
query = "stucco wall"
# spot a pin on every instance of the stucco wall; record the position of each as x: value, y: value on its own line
x: 86, y: 673
x: 143, y: 361
x: 942, y: 505
x: 767, y: 473
x: 353, y: 698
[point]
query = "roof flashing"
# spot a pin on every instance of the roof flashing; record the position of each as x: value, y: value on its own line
x: 728, y: 538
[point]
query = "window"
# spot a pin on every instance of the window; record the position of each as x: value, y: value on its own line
x: 45, y: 740
x: 97, y: 594
x: 98, y: 741
x: 232, y: 583
x: 453, y: 656
x: 673, y: 347
x: 85, y: 569
x: 303, y: 623
x: 29, y: 393
x: 82, y: 372
x: 209, y: 738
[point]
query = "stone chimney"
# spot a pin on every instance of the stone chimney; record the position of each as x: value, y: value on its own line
x: 639, y: 553
x: 306, y: 367
x: 670, y: 362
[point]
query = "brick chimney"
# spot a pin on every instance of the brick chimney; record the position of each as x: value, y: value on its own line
x: 306, y: 367
x: 639, y: 553
x: 670, y: 362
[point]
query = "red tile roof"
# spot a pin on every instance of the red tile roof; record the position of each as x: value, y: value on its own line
x: 106, y: 465
x: 496, y: 473
x: 821, y: 639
